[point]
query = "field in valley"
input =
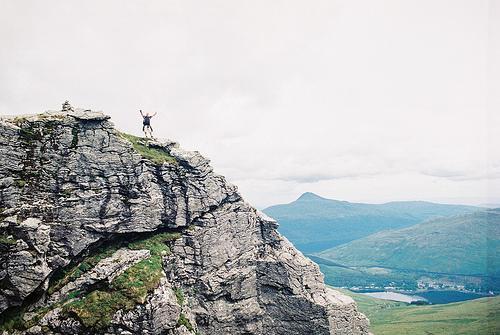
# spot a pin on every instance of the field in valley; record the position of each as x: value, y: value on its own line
x: 478, y: 317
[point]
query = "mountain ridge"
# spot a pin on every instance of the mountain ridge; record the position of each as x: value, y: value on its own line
x: 311, y: 196
x: 314, y: 223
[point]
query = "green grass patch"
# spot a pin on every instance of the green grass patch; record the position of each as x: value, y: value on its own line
x: 97, y: 308
x: 141, y: 145
x: 15, y: 319
x: 155, y: 244
x: 183, y: 321
x: 477, y: 316
x: 179, y: 294
x: 140, y: 279
x: 7, y: 240
x: 20, y: 183
x: 11, y: 321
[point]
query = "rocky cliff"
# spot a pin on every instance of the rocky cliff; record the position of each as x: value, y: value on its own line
x: 105, y: 233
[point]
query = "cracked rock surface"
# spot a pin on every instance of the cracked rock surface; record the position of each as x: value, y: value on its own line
x: 105, y: 233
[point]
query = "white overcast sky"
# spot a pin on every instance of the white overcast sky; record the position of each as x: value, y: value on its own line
x: 367, y: 101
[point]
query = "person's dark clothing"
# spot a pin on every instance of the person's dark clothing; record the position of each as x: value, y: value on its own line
x: 146, y: 120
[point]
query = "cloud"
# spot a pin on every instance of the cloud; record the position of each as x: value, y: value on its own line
x: 313, y: 178
x: 462, y: 175
x: 444, y: 173
x: 317, y: 177
x: 283, y: 97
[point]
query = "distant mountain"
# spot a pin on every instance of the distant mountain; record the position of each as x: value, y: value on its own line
x: 313, y: 223
x: 466, y: 244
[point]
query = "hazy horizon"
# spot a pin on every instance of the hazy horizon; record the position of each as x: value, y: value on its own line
x: 363, y: 101
x: 457, y: 202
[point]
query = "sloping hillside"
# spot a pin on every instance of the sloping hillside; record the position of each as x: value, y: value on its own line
x: 466, y: 244
x: 314, y: 223
x: 394, y: 318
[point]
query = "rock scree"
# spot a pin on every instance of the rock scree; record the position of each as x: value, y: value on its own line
x: 107, y: 233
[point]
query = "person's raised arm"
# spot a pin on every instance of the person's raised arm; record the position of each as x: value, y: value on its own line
x: 140, y: 110
x: 154, y: 114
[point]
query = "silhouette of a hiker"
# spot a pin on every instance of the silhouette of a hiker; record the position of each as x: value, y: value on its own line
x: 146, y: 123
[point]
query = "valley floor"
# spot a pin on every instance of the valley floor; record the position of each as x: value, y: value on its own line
x: 474, y: 317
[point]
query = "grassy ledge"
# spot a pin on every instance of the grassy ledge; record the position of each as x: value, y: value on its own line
x: 141, y: 145
x: 96, y: 309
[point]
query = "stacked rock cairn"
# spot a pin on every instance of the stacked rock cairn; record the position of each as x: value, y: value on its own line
x: 66, y: 107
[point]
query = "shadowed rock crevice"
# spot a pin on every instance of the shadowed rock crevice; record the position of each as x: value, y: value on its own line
x: 101, y: 231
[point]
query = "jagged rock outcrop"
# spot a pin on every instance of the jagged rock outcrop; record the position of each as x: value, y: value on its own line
x: 104, y: 232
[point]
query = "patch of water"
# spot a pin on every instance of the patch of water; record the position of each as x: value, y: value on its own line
x: 394, y: 296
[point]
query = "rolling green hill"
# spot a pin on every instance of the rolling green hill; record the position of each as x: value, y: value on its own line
x: 313, y: 223
x: 467, y: 244
x: 478, y: 317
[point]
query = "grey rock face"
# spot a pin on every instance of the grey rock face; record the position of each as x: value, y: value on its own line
x: 71, y: 186
x: 159, y: 314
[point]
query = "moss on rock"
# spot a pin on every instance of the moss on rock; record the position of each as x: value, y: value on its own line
x: 184, y: 321
x: 179, y: 294
x: 97, y: 308
x: 4, y: 239
x: 141, y: 145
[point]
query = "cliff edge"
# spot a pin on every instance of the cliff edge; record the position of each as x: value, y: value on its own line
x: 106, y: 233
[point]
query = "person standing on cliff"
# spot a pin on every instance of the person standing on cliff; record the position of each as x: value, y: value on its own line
x: 146, y: 123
